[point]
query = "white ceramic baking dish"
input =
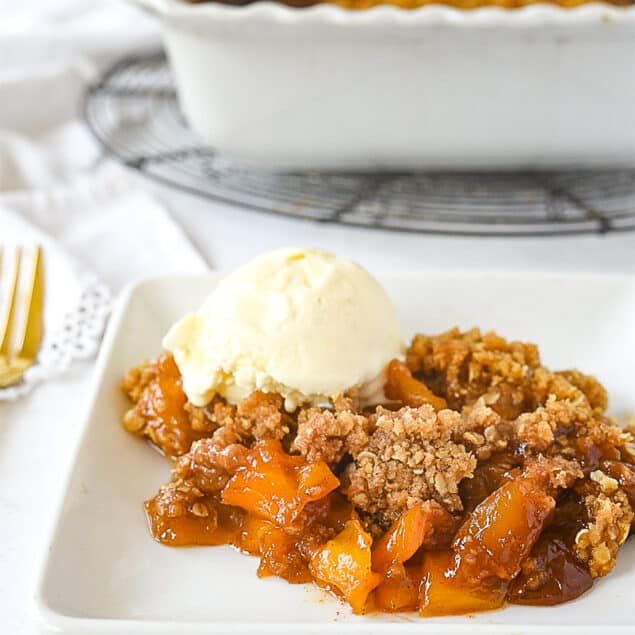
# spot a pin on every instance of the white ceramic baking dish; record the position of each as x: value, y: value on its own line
x: 387, y: 88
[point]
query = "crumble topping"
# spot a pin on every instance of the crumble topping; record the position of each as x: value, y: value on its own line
x: 323, y: 435
x: 506, y: 413
x: 610, y: 517
x: 409, y: 457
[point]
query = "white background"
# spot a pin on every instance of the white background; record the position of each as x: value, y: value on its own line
x: 36, y: 434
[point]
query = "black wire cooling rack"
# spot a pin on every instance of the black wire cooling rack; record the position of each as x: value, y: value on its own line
x: 134, y: 112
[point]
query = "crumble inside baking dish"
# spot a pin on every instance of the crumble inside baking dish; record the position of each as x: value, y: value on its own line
x: 484, y: 478
x: 414, y: 4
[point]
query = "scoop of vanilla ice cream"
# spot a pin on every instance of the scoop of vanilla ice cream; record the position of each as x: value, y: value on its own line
x: 299, y: 322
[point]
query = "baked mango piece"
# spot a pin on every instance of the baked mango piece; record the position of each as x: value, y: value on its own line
x: 276, y: 486
x: 402, y: 386
x: 249, y: 538
x: 279, y: 556
x: 345, y: 564
x: 399, y: 591
x: 419, y: 526
x: 402, y: 540
x: 499, y: 534
x: 203, y: 521
x: 284, y: 551
x: 160, y: 412
x: 489, y: 548
x: 415, y: 529
x: 445, y: 590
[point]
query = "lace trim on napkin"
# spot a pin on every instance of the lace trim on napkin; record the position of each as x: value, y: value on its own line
x: 77, y: 338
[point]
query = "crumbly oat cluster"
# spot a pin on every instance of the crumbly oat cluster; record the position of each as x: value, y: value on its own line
x: 409, y: 457
x: 505, y: 413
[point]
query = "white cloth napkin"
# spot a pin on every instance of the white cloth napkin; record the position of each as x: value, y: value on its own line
x: 105, y: 222
x: 98, y: 233
x: 97, y: 229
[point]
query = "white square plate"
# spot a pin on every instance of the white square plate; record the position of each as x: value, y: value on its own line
x: 104, y: 573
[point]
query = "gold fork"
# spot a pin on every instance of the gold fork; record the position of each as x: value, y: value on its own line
x: 18, y: 349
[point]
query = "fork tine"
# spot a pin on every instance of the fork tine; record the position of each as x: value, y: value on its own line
x: 6, y: 321
x: 31, y: 334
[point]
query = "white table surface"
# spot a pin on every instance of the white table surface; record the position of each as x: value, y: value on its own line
x: 38, y: 433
